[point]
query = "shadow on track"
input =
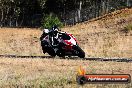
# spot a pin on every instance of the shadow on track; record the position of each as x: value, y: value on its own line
x: 15, y: 56
x: 74, y: 58
x: 104, y: 59
x: 110, y: 59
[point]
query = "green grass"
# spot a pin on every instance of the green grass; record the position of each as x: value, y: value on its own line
x: 128, y: 27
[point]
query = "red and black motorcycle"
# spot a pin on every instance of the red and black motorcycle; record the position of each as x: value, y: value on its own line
x: 67, y: 46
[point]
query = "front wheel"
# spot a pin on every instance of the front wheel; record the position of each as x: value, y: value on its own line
x: 51, y: 51
x: 47, y: 48
x: 80, y: 53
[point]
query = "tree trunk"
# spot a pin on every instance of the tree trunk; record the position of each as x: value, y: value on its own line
x: 128, y: 3
x: 79, y: 10
x: 7, y: 16
x: 2, y: 17
x: 103, y: 7
x: 10, y: 24
x: 107, y: 6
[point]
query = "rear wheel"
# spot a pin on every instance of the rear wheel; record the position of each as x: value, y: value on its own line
x: 80, y: 53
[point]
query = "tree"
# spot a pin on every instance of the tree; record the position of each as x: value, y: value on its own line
x: 50, y: 20
x: 15, y: 13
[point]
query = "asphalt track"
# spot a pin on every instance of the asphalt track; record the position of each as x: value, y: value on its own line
x: 73, y: 58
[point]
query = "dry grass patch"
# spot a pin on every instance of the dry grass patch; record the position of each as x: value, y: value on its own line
x: 52, y: 73
x: 20, y: 41
x: 103, y: 36
x: 128, y: 28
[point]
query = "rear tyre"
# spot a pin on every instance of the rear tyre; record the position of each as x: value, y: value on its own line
x: 80, y: 52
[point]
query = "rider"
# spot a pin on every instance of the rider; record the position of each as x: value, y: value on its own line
x: 54, y: 34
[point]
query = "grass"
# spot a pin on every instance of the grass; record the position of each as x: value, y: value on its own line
x: 98, y: 38
x: 103, y: 37
x: 128, y: 27
x: 99, y: 42
x: 20, y: 41
x: 56, y: 73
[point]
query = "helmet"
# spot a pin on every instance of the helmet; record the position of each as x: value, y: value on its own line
x: 55, y: 28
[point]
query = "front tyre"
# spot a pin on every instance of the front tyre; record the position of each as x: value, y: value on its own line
x: 51, y: 51
x: 60, y: 53
x: 47, y: 48
x: 80, y: 53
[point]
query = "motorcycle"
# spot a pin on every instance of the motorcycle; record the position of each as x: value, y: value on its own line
x: 67, y: 46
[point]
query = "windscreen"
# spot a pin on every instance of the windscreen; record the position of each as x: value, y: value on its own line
x: 65, y: 36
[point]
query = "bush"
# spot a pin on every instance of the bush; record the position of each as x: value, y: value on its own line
x: 49, y: 20
x: 128, y: 27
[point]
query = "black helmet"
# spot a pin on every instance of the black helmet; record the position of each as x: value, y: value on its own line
x: 55, y: 28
